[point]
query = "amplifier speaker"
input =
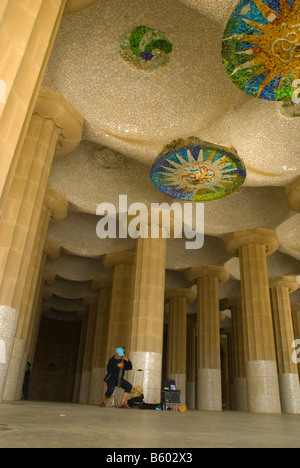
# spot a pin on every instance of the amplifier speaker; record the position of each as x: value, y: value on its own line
x: 170, y: 396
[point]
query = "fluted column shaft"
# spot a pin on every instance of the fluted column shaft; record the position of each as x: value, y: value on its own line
x: 148, y: 315
x: 191, y: 365
x: 280, y: 289
x: 100, y: 341
x: 92, y: 302
x: 21, y: 218
x: 22, y: 209
x: 178, y: 299
x: 121, y: 306
x: 54, y: 210
x: 77, y: 383
x: 239, y: 371
x: 209, y: 389
x: 252, y: 246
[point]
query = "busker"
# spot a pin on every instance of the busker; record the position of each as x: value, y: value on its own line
x: 116, y: 368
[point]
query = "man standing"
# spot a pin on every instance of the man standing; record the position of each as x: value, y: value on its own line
x: 116, y: 368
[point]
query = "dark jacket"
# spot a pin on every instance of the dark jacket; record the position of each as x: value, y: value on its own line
x: 113, y: 369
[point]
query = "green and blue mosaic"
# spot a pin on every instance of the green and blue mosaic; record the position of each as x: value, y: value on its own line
x: 194, y: 170
x: 146, y: 48
x: 261, y: 48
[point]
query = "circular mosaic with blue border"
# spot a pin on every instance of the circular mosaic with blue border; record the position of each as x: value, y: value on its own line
x: 194, y: 170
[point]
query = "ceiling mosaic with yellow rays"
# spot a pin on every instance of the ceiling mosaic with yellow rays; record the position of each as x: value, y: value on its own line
x: 194, y: 170
x: 261, y: 48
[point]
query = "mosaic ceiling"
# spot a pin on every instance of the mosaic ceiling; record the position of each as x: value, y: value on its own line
x: 144, y: 74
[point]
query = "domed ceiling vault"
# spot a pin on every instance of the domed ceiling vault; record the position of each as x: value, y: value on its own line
x: 134, y: 105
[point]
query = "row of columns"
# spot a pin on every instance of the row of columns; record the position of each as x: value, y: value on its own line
x: 262, y: 335
x: 138, y: 318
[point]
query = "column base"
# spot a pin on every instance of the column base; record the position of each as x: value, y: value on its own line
x: 14, y: 371
x: 289, y: 393
x: 209, y: 390
x: 263, y: 387
x: 147, y: 373
x: 8, y: 327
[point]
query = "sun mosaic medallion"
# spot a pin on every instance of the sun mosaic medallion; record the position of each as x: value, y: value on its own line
x: 194, y: 170
x: 145, y: 48
x: 261, y: 48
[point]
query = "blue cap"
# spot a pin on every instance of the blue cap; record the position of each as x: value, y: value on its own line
x: 120, y: 351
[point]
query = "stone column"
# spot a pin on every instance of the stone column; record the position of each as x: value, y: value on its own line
x: 148, y: 315
x: 53, y: 118
x: 296, y: 327
x: 228, y: 335
x: 27, y: 32
x: 280, y: 288
x: 252, y: 246
x: 120, y: 317
x: 239, y: 370
x: 156, y: 226
x: 92, y: 303
x: 209, y: 389
x: 80, y: 355
x: 54, y: 210
x: 178, y: 299
x: 191, y: 365
x: 100, y: 342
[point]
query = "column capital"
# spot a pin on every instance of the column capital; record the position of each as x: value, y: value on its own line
x: 184, y: 293
x: 51, y: 104
x: 57, y: 205
x: 102, y: 283
x: 76, y: 5
x: 49, y: 276
x: 116, y: 258
x: 293, y: 195
x: 90, y: 300
x: 288, y: 282
x: 47, y: 295
x: 51, y: 249
x: 208, y: 271
x: 262, y: 236
x: 228, y: 302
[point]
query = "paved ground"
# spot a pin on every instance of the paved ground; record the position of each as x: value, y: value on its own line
x: 61, y: 425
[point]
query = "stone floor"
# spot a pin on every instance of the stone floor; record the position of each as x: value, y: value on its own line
x: 61, y: 425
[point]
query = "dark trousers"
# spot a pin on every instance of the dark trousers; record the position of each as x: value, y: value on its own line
x: 25, y: 387
x: 112, y: 383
